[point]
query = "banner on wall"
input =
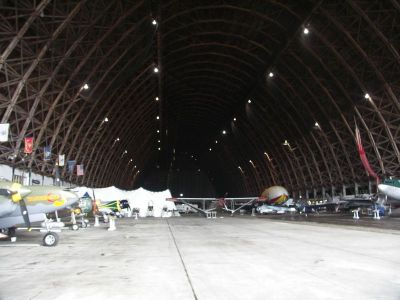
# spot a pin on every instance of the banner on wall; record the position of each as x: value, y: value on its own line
x: 28, y: 145
x: 79, y: 170
x: 71, y: 166
x: 363, y: 156
x: 4, y: 128
x: 61, y: 160
x: 47, y: 152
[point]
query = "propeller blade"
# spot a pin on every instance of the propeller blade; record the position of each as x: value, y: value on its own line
x: 24, y: 213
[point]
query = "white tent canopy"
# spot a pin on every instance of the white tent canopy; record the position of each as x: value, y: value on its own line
x: 140, y: 199
x: 108, y: 194
x: 143, y: 199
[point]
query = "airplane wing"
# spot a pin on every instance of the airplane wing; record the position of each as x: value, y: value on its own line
x: 188, y: 200
x: 221, y: 202
x: 249, y: 201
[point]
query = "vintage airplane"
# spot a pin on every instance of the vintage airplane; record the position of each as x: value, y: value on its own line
x: 287, y: 207
x: 27, y: 204
x: 390, y: 188
x: 273, y: 196
x: 189, y: 202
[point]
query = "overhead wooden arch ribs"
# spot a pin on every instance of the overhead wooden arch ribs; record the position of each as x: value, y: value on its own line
x: 213, y: 57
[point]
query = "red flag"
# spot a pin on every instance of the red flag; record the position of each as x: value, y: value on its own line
x: 364, y: 158
x: 28, y: 145
x: 79, y: 170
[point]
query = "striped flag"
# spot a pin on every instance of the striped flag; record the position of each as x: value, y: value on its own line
x: 79, y: 170
x: 4, y: 128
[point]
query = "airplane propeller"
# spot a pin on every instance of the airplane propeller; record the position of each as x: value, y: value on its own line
x: 17, y: 193
x: 24, y: 213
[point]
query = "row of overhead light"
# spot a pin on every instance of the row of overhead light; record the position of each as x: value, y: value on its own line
x: 306, y: 31
x: 106, y: 120
x: 156, y: 70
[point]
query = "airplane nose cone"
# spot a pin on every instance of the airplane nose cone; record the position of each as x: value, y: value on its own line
x: 382, y: 188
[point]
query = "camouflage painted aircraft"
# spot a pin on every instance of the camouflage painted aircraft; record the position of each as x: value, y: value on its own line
x: 26, y: 204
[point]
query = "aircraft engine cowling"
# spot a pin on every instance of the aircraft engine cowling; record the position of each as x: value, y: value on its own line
x: 275, y: 195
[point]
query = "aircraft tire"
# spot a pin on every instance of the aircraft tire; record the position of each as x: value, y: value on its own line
x: 75, y: 227
x: 50, y: 239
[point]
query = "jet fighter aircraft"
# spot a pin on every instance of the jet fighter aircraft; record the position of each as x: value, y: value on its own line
x: 26, y: 204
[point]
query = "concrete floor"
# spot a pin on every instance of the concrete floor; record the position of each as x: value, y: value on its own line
x: 195, y: 258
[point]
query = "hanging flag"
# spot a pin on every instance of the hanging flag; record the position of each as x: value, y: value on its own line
x: 47, y: 152
x: 71, y: 166
x: 61, y: 160
x: 363, y: 156
x: 28, y: 145
x: 79, y: 170
x: 4, y: 128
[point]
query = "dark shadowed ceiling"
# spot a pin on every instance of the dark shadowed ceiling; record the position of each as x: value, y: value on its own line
x: 247, y: 94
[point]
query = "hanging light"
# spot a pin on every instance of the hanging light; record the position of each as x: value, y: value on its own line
x: 154, y: 22
x: 155, y: 70
x: 271, y: 74
x: 306, y: 31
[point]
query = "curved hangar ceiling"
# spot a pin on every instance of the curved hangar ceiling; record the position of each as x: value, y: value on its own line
x: 250, y: 93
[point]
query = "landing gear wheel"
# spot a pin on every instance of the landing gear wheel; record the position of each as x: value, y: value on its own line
x: 50, y: 239
x: 75, y: 227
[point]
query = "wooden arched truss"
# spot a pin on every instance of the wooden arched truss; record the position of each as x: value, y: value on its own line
x: 213, y: 56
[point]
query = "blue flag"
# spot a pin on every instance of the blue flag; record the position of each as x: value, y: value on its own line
x: 71, y: 166
x: 47, y: 152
